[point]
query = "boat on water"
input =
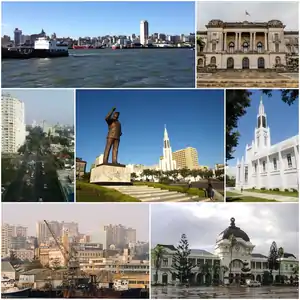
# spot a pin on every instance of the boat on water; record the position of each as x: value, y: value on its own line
x: 43, y: 48
x: 15, y: 292
x: 6, y: 282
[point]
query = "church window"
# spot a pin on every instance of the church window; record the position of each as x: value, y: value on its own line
x: 246, y: 174
x: 259, y: 47
x: 275, y: 163
x: 258, y: 122
x: 276, y: 35
x: 289, y: 160
x: 213, y: 60
x: 257, y: 141
x: 264, y: 166
x: 265, y: 140
x: 255, y: 167
x: 245, y: 47
x: 165, y: 262
x: 276, y: 47
x: 263, y: 121
x: 231, y: 47
x: 214, y: 47
x: 277, y: 60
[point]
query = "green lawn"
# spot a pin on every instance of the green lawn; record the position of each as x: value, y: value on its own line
x: 232, y: 194
x: 89, y: 192
x: 234, y: 197
x: 280, y: 193
x: 174, y: 188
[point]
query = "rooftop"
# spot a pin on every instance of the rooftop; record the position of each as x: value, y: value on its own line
x: 7, y: 267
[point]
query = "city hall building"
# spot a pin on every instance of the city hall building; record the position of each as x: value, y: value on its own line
x: 247, y: 45
x: 242, y: 253
x: 265, y: 165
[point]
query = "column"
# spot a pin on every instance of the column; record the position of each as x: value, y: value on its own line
x: 254, y: 46
x: 236, y: 42
x: 225, y: 41
x: 266, y: 42
x: 240, y: 40
x: 251, y: 41
x: 281, y: 169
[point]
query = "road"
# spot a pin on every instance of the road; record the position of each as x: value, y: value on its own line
x: 36, y: 180
x: 264, y: 292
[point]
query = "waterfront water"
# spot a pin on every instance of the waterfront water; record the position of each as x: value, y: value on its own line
x: 104, y: 68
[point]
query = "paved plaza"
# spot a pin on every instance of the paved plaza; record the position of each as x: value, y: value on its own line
x: 265, y: 292
x: 248, y: 78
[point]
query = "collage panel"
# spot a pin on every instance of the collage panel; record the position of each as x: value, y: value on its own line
x: 247, y: 44
x: 214, y: 250
x: 37, y: 145
x: 75, y: 251
x: 98, y: 44
x: 149, y: 145
x: 262, y: 146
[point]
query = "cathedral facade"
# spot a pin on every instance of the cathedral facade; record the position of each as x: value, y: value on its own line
x: 247, y: 45
x: 265, y: 165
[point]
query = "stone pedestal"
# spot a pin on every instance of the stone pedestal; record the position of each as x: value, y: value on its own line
x: 110, y: 174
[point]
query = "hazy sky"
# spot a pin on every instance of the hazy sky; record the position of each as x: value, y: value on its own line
x: 202, y: 223
x: 52, y: 105
x: 91, y: 217
x: 260, y: 11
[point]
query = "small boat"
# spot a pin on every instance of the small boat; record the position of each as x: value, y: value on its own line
x: 15, y: 292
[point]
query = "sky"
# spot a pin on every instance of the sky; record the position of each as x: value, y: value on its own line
x: 91, y: 217
x: 279, y: 115
x: 194, y: 118
x: 202, y: 223
x: 260, y: 11
x: 52, y: 105
x: 80, y: 19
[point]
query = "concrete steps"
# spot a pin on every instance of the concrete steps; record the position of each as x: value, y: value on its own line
x: 150, y: 194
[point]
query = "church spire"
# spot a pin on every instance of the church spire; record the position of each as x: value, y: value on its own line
x: 166, y: 137
x: 261, y: 109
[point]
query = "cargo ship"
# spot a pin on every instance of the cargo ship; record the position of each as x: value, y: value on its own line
x: 43, y: 48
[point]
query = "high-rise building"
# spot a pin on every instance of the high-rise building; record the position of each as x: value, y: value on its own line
x: 17, y: 37
x: 13, y: 124
x: 43, y: 233
x: 186, y: 158
x: 130, y: 235
x: 167, y: 163
x: 144, y: 32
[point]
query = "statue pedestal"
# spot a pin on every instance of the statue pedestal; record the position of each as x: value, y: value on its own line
x: 110, y: 174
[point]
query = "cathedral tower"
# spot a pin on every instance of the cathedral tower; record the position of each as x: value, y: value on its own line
x: 262, y: 138
x: 167, y: 163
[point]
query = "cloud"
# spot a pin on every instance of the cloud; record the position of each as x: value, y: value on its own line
x: 228, y: 11
x: 202, y: 223
x: 5, y: 25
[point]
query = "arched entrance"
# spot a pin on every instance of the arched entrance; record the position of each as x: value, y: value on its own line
x: 230, y: 63
x: 165, y: 278
x: 245, y: 63
x: 252, y: 277
x: 258, y: 278
x: 199, y: 279
x: 200, y: 63
x: 261, y: 63
x: 213, y: 60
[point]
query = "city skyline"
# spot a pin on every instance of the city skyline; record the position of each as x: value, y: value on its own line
x: 52, y: 105
x: 133, y: 215
x: 229, y: 11
x: 195, y: 127
x: 202, y: 223
x: 278, y: 114
x: 113, y: 20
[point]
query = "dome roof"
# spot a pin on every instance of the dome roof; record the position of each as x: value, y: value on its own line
x: 233, y: 230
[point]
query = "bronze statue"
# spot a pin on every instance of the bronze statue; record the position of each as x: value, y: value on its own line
x: 113, y: 136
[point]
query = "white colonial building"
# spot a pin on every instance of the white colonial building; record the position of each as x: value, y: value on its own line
x: 247, y: 45
x: 265, y: 165
x: 167, y: 163
x: 242, y: 254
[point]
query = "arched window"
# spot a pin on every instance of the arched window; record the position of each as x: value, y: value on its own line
x: 231, y: 47
x: 245, y: 47
x: 277, y: 60
x: 213, y: 60
x: 200, y: 62
x: 259, y: 47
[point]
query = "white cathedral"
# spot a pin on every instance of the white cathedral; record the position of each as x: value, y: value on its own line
x: 265, y: 165
x: 167, y: 163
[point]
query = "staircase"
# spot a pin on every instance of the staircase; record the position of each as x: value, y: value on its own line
x: 150, y: 194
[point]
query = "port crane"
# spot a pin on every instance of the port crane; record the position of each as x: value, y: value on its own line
x: 73, y: 267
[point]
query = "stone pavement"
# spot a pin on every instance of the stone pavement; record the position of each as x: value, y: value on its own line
x: 265, y: 196
x: 150, y: 194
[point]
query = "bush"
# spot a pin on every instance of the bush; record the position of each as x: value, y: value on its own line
x: 253, y: 188
x: 263, y: 189
x: 276, y: 190
x: 286, y: 190
x: 294, y: 190
x: 165, y: 180
x: 270, y: 189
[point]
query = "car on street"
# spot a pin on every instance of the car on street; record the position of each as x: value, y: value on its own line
x: 253, y: 283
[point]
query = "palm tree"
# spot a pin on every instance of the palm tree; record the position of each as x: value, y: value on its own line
x: 224, y: 270
x: 280, y: 255
x: 185, y: 172
x: 216, y: 271
x: 206, y: 269
x: 158, y: 254
x: 133, y: 176
x: 232, y: 241
x: 200, y: 43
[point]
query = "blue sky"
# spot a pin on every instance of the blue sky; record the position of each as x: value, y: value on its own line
x: 52, y: 105
x: 193, y: 118
x: 77, y: 19
x: 282, y: 119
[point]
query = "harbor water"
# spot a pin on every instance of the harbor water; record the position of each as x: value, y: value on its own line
x: 104, y: 68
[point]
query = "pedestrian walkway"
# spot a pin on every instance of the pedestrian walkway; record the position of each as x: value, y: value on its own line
x: 264, y: 196
x: 149, y: 194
